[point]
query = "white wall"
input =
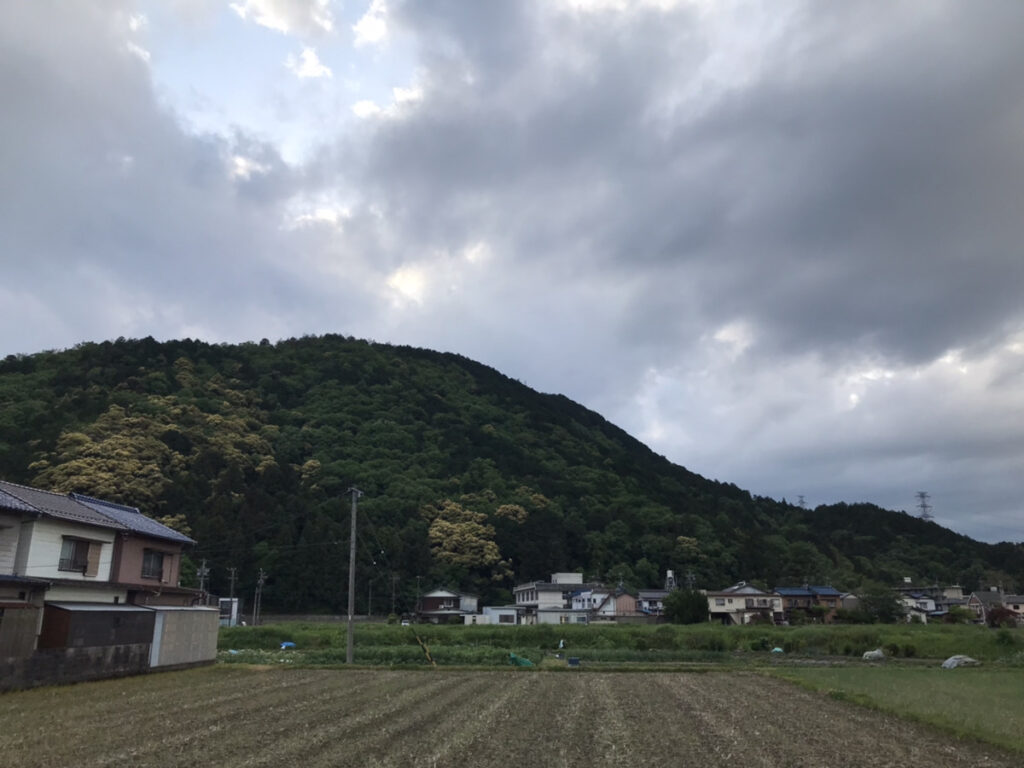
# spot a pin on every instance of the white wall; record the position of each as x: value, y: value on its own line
x: 44, y: 546
x: 86, y: 594
x: 184, y: 636
x: 10, y: 526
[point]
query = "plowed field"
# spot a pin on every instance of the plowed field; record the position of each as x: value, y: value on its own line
x: 313, y: 718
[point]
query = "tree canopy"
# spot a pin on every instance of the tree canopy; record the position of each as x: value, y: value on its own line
x: 471, y: 479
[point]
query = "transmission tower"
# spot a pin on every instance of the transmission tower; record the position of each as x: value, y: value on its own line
x: 924, y: 506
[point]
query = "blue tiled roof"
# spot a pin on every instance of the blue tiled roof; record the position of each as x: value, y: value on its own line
x: 793, y: 591
x: 808, y: 591
x: 825, y: 591
x: 132, y: 519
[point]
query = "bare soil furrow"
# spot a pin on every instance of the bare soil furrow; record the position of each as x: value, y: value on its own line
x: 447, y: 718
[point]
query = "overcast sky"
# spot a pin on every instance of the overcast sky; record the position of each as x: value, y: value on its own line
x: 779, y: 242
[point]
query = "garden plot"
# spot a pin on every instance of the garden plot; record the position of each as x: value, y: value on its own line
x: 241, y: 716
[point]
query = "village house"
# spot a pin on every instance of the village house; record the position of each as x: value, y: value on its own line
x: 1016, y: 604
x: 743, y: 603
x: 500, y: 615
x: 917, y: 606
x: 810, y: 600
x: 984, y: 601
x: 550, y: 602
x: 652, y: 601
x: 90, y: 585
x: 147, y: 555
x: 445, y: 605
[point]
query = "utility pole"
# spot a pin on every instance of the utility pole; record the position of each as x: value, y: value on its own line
x: 202, y: 573
x: 417, y: 609
x: 924, y: 506
x: 259, y: 597
x: 232, y: 608
x: 394, y: 581
x: 369, y: 598
x: 350, y: 644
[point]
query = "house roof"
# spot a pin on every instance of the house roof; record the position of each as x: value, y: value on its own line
x: 55, y: 505
x: 988, y: 597
x: 132, y: 519
x: 808, y: 591
x: 6, y: 578
x: 10, y: 501
x: 77, y: 508
x: 98, y: 607
x: 652, y: 594
x: 740, y: 588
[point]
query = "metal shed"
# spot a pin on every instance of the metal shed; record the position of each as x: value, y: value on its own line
x: 91, y: 625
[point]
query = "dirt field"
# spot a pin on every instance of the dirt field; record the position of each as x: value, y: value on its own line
x: 313, y: 718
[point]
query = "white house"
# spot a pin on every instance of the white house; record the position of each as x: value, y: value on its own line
x: 500, y: 615
x: 551, y: 602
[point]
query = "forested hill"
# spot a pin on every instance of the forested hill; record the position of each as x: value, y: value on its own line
x: 471, y: 479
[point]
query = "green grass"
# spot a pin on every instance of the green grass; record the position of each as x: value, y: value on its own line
x: 391, y: 644
x: 978, y: 703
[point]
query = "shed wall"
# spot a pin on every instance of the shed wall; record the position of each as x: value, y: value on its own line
x: 185, y: 637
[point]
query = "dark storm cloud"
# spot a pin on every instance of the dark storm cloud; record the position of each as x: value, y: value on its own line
x: 748, y: 236
x: 860, y: 190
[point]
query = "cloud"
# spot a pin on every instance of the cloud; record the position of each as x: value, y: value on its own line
x: 114, y: 218
x: 307, y: 64
x: 372, y: 27
x: 298, y: 17
x: 780, y: 244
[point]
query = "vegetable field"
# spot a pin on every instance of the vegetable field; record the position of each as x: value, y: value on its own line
x: 245, y: 716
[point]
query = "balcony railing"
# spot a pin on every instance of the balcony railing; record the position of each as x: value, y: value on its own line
x: 70, y: 564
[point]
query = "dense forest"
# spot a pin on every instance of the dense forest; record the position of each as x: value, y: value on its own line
x: 470, y: 479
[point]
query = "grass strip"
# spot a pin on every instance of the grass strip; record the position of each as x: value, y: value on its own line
x: 979, y: 704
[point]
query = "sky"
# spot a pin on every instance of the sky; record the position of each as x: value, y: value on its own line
x: 779, y: 242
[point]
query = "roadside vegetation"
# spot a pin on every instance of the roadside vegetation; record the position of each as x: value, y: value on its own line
x: 381, y: 644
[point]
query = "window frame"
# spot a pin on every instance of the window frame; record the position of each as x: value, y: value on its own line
x: 147, y: 571
x: 77, y: 558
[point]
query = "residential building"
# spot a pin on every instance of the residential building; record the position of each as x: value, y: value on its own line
x: 1016, y: 604
x: 78, y: 573
x: 501, y: 615
x: 147, y: 555
x: 984, y: 601
x: 917, y: 605
x: 444, y: 605
x: 550, y: 602
x: 743, y: 603
x: 652, y: 601
x: 809, y: 600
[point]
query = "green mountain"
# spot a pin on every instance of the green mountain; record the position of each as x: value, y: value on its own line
x: 470, y: 478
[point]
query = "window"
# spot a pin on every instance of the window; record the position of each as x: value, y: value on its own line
x: 719, y: 601
x: 152, y: 564
x: 74, y: 555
